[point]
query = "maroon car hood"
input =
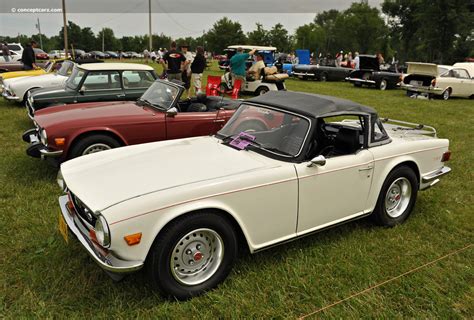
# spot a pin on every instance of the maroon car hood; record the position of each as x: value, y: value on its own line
x: 95, y: 112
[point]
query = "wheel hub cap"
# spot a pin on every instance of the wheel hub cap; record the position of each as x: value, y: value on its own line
x: 398, y: 197
x: 197, y: 256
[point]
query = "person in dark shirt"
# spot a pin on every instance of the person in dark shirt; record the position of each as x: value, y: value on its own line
x: 28, y: 57
x: 173, y: 62
x: 197, y: 68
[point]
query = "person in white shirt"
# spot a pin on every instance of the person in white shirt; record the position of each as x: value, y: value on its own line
x: 187, y: 67
x: 255, y: 71
x: 356, y: 61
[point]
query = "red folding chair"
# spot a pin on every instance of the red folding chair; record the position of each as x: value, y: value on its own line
x: 236, y: 89
x: 212, y: 87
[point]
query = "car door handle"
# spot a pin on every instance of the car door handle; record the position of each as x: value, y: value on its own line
x: 219, y: 120
x: 120, y: 95
x: 366, y: 169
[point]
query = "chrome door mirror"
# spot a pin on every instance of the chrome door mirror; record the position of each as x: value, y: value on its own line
x: 318, y: 161
x: 171, y: 112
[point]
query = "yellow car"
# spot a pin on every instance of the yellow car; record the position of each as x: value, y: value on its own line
x: 49, y: 67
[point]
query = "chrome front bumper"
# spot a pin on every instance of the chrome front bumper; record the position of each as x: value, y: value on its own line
x: 36, y: 149
x: 303, y: 74
x: 432, y: 178
x: 360, y: 80
x: 8, y: 96
x: 106, y: 260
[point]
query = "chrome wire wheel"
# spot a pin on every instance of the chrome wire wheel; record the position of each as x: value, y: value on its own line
x: 197, y: 256
x: 96, y: 147
x: 383, y: 85
x: 397, y: 198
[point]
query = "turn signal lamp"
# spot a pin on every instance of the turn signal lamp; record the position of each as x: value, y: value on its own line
x: 446, y: 156
x: 60, y: 141
x: 133, y: 239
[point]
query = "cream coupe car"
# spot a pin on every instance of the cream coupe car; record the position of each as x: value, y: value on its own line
x: 443, y: 81
x: 275, y: 172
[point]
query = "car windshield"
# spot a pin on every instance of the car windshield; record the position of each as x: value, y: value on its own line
x: 75, y: 78
x: 66, y: 68
x: 266, y: 129
x: 48, y: 67
x: 161, y: 95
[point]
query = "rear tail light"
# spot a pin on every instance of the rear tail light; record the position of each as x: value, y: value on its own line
x: 433, y: 82
x: 446, y: 156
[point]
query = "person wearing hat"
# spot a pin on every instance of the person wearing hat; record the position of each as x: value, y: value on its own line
x: 237, y: 65
x: 255, y: 70
x: 186, y: 76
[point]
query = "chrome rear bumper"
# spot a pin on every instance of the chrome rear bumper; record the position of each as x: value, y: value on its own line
x: 432, y: 178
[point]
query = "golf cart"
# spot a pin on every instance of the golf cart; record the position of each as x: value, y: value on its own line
x: 268, y: 80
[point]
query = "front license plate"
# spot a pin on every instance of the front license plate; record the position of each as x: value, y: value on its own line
x: 63, y: 228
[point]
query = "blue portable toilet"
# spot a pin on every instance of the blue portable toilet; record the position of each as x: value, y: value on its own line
x: 304, y: 56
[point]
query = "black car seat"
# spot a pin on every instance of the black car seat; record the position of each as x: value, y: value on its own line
x: 347, y: 142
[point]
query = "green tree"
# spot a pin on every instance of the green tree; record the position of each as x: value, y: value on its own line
x: 360, y: 28
x: 431, y: 30
x: 223, y: 33
x: 259, y: 36
x: 280, y: 38
x: 107, y: 38
x: 74, y: 35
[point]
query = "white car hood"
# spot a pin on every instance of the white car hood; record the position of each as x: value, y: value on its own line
x: 103, y: 179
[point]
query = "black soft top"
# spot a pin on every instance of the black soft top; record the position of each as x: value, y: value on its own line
x: 311, y: 105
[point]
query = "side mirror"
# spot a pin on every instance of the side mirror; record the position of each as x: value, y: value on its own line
x: 318, y: 161
x: 171, y: 112
x: 82, y: 90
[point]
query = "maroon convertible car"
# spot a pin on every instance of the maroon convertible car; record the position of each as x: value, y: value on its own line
x: 68, y: 131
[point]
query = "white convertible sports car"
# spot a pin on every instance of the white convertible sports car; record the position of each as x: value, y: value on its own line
x: 286, y: 165
x: 16, y: 89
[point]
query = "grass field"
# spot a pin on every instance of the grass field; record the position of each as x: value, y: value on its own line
x: 43, y: 277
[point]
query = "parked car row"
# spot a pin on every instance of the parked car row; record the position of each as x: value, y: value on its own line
x: 181, y: 184
x: 422, y: 78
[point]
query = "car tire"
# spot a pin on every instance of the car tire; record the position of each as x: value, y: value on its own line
x: 192, y: 255
x: 323, y: 77
x: 357, y: 84
x: 383, y: 85
x: 92, y: 144
x: 261, y: 91
x: 397, y: 197
x: 446, y: 94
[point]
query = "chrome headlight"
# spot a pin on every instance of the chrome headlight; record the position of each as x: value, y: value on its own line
x: 43, y: 137
x: 102, y: 231
x: 60, y: 180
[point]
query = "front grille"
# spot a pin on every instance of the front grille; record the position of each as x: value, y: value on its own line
x: 83, y: 212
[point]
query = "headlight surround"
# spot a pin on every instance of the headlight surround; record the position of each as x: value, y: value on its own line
x: 43, y: 137
x: 102, y: 231
x: 60, y: 181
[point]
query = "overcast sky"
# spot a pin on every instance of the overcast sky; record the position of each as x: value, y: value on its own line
x: 176, y: 18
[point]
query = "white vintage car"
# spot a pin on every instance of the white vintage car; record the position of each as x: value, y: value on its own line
x: 286, y: 165
x: 17, y: 89
x: 438, y: 80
